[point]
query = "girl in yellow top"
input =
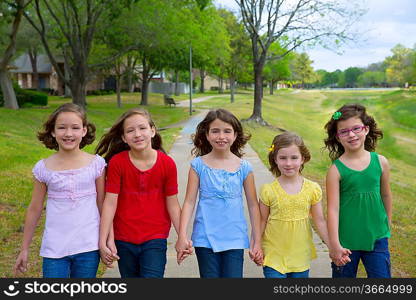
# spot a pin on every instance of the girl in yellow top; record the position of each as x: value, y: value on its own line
x: 285, y: 205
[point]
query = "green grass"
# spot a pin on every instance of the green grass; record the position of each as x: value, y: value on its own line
x: 20, y: 150
x: 306, y: 113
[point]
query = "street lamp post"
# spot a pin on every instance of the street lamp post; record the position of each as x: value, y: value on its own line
x: 190, y: 80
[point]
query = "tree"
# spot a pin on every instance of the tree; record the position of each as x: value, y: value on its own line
x: 239, y: 60
x: 71, y: 26
x: 371, y: 79
x: 277, y: 69
x: 351, y: 76
x: 399, y: 66
x: 301, y: 22
x: 302, y: 69
x: 29, y: 43
x: 11, y: 13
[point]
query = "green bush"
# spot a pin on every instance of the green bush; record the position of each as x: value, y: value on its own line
x: 27, y: 98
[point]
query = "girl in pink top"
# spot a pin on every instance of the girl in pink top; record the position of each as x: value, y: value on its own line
x: 74, y: 183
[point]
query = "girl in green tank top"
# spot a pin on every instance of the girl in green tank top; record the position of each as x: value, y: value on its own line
x: 358, y: 194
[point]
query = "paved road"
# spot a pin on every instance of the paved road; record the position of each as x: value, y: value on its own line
x: 181, y: 153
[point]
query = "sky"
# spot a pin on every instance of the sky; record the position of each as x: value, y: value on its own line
x: 386, y: 24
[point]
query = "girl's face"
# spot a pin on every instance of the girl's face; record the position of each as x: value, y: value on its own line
x: 289, y: 161
x: 221, y: 135
x: 138, y: 133
x: 351, y: 133
x: 68, y: 131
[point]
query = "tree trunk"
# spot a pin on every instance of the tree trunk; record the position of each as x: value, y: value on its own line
x: 202, y: 75
x: 33, y: 56
x: 9, y: 96
x: 258, y: 93
x: 232, y: 85
x: 118, y: 90
x: 221, y: 87
x: 145, y: 81
x: 177, y: 93
x: 78, y: 92
x: 145, y: 89
x: 271, y: 87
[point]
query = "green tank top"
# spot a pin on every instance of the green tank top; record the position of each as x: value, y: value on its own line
x: 362, y: 216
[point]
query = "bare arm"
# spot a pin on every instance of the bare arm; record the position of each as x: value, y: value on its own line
x: 320, y: 222
x: 99, y: 186
x: 174, y: 211
x: 264, y: 216
x: 33, y: 214
x: 385, y: 190
x: 332, y: 194
x: 107, y: 249
x: 254, y: 212
x: 183, y: 244
x: 338, y: 254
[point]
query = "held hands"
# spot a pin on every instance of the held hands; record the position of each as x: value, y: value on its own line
x: 183, y: 248
x: 108, y: 253
x: 340, y: 256
x: 256, y: 253
x: 21, y: 262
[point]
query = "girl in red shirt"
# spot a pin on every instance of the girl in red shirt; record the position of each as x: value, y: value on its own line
x: 141, y: 197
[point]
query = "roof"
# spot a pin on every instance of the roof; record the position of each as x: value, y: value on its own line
x: 22, y: 64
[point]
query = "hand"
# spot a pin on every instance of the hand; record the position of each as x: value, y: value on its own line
x: 340, y: 256
x: 108, y: 255
x: 21, y: 262
x: 256, y: 253
x: 183, y: 249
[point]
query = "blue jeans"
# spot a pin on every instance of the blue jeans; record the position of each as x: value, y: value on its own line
x: 376, y: 262
x: 145, y: 260
x: 224, y: 264
x: 81, y: 265
x: 272, y: 273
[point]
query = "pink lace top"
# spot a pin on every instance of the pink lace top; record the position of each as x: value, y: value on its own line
x: 72, y: 217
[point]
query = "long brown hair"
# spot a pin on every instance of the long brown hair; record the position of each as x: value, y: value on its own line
x: 45, y: 134
x: 112, y: 143
x: 284, y: 140
x: 347, y: 111
x: 202, y: 146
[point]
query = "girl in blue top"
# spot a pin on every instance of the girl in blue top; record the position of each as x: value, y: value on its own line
x: 219, y: 175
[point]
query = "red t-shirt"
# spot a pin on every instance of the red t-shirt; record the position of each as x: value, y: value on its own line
x: 141, y: 213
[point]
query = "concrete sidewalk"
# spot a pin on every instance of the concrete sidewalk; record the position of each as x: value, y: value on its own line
x: 181, y: 153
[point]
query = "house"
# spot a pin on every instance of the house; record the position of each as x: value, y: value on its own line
x: 22, y: 72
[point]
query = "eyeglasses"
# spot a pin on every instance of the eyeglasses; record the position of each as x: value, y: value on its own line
x: 356, y: 129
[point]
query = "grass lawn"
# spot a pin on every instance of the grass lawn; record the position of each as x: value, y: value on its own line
x: 20, y: 150
x: 306, y: 112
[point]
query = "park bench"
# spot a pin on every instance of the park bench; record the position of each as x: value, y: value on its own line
x: 169, y: 100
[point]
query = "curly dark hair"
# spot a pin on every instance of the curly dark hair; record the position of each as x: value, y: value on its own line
x: 285, y: 140
x: 350, y: 111
x: 202, y: 146
x: 112, y: 143
x: 45, y: 134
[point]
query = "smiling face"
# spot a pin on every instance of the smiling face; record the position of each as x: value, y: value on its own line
x: 289, y: 161
x: 351, y: 133
x: 69, y: 131
x: 138, y: 133
x: 221, y: 135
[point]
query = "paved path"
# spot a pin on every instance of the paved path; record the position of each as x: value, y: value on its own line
x: 181, y: 153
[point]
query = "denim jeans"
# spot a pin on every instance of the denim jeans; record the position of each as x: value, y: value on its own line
x: 376, y: 262
x: 224, y: 264
x: 145, y: 260
x: 272, y: 273
x: 81, y: 265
